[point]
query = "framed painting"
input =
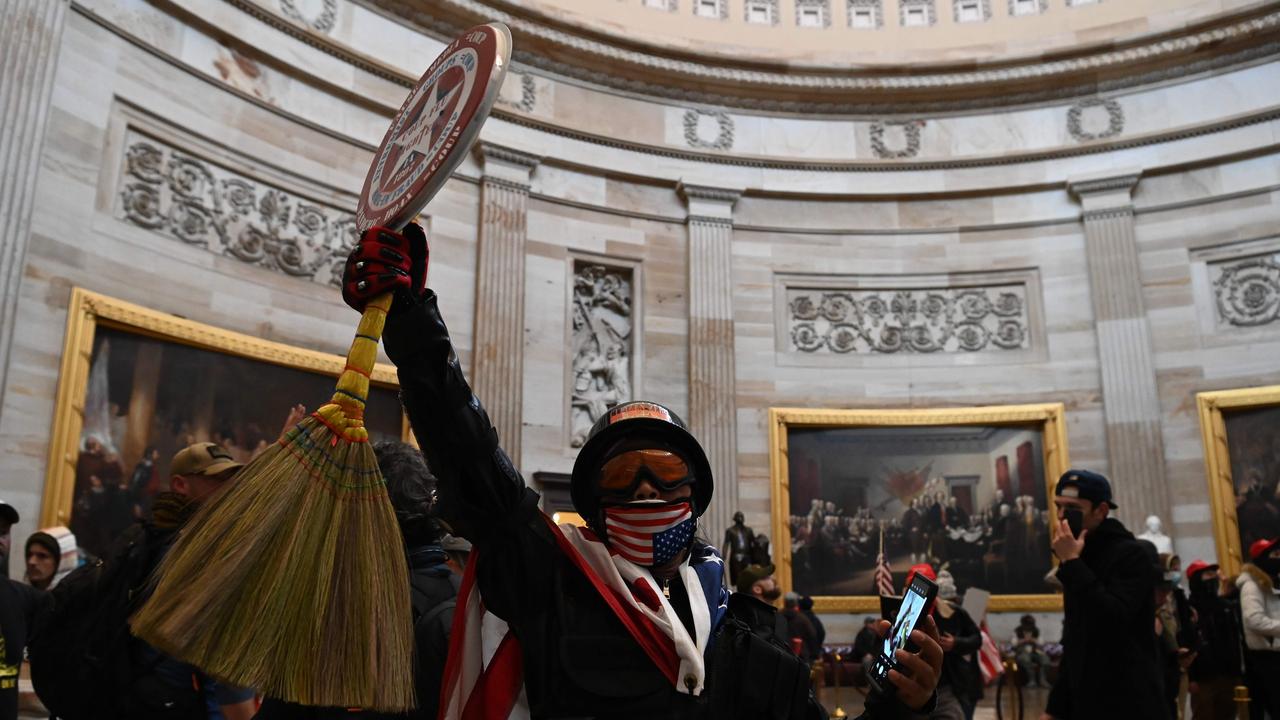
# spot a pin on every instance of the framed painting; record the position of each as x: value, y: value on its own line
x: 1241, y: 434
x: 137, y: 385
x: 965, y: 489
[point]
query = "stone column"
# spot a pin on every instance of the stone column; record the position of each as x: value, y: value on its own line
x: 712, y: 406
x: 1130, y: 400
x: 498, y: 366
x: 30, y: 37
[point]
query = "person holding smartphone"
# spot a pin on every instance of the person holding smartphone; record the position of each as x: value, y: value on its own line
x: 1109, y: 666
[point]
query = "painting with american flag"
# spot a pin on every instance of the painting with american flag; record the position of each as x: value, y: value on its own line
x: 860, y: 496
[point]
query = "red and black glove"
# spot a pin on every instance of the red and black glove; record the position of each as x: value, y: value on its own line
x: 386, y: 261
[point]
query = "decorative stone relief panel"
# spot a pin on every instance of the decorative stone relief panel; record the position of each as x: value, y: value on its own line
x: 942, y: 320
x: 813, y: 13
x: 1247, y: 290
x: 1095, y: 119
x: 896, y: 139
x: 866, y: 14
x: 917, y: 13
x: 320, y: 18
x: 668, y: 5
x: 602, y: 341
x: 709, y: 130
x: 761, y: 12
x: 169, y: 191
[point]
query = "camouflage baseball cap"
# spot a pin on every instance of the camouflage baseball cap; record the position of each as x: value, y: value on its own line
x: 204, y: 458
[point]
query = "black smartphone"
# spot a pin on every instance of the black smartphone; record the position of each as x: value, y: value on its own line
x: 917, y: 602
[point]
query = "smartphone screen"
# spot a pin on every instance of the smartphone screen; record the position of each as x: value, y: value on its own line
x: 915, y: 603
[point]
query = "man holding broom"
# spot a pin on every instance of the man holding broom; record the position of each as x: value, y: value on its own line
x: 623, y: 619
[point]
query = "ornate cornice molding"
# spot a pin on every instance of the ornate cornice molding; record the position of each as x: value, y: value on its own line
x: 629, y: 66
x: 706, y: 192
x: 520, y: 158
x: 1081, y: 188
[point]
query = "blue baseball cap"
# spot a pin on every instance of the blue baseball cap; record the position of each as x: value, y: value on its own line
x: 1086, y: 485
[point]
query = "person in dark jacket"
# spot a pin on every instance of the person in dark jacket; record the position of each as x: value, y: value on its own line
x: 959, y: 688
x: 624, y: 619
x: 1109, y: 666
x: 806, y: 607
x: 1219, y: 665
x: 432, y: 588
x: 799, y: 626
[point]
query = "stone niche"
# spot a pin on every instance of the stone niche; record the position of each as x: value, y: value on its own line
x: 602, y: 320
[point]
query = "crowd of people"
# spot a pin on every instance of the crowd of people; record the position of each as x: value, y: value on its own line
x: 1003, y: 547
x: 631, y: 617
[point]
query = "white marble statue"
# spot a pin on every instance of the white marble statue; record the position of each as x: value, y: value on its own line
x: 1155, y: 536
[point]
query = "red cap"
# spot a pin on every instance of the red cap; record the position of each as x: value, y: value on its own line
x: 924, y: 569
x: 1261, y: 547
x: 1198, y: 566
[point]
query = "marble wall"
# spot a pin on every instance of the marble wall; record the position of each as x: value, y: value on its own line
x: 966, y: 201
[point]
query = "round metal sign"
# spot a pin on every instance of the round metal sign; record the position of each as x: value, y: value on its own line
x: 435, y: 127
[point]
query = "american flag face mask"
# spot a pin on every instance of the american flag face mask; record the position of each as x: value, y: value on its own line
x: 649, y: 534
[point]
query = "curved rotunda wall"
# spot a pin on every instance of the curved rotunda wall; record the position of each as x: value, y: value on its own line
x: 711, y: 233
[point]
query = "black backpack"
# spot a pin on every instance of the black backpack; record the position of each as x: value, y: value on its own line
x: 85, y: 665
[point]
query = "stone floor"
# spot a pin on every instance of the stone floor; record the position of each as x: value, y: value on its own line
x: 1033, y: 701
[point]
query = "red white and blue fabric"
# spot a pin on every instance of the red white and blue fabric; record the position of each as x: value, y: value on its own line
x: 484, y: 676
x: 649, y: 534
x: 989, y: 658
x: 884, y: 577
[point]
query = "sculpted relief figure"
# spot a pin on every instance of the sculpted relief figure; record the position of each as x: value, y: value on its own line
x: 601, y: 345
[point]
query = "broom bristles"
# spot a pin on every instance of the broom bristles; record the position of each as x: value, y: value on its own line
x: 293, y: 579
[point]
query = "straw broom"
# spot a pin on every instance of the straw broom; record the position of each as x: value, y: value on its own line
x: 293, y: 579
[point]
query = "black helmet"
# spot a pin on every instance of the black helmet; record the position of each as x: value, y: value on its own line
x: 644, y: 419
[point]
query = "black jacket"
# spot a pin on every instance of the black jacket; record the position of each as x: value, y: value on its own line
x: 578, y: 659
x: 1109, y: 667
x: 958, y: 671
x: 1217, y: 628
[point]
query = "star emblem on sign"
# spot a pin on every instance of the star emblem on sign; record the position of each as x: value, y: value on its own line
x: 420, y: 135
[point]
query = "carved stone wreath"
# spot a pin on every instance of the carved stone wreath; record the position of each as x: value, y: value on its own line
x: 944, y: 320
x: 1115, y: 119
x: 910, y: 128
x: 321, y: 23
x: 528, y: 94
x: 724, y: 135
x: 1248, y: 291
x: 169, y: 191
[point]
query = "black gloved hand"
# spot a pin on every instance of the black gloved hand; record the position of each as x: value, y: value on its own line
x: 386, y: 261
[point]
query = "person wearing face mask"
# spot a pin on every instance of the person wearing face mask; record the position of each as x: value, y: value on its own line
x: 1260, y: 614
x: 1219, y: 665
x: 1109, y: 666
x: 625, y: 618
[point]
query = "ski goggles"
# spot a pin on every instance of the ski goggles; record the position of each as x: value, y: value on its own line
x: 622, y: 473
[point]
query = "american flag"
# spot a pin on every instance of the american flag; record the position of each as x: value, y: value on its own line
x: 884, y: 576
x: 640, y: 532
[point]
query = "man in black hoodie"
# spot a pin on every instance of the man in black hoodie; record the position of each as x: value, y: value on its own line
x: 1109, y: 667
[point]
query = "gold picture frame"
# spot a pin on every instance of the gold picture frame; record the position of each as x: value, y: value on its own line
x: 87, y: 312
x: 1214, y: 407
x: 1048, y: 417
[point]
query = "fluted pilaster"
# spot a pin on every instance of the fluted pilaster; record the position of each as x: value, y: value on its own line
x: 30, y: 36
x: 712, y: 414
x: 1130, y: 399
x: 498, y: 366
